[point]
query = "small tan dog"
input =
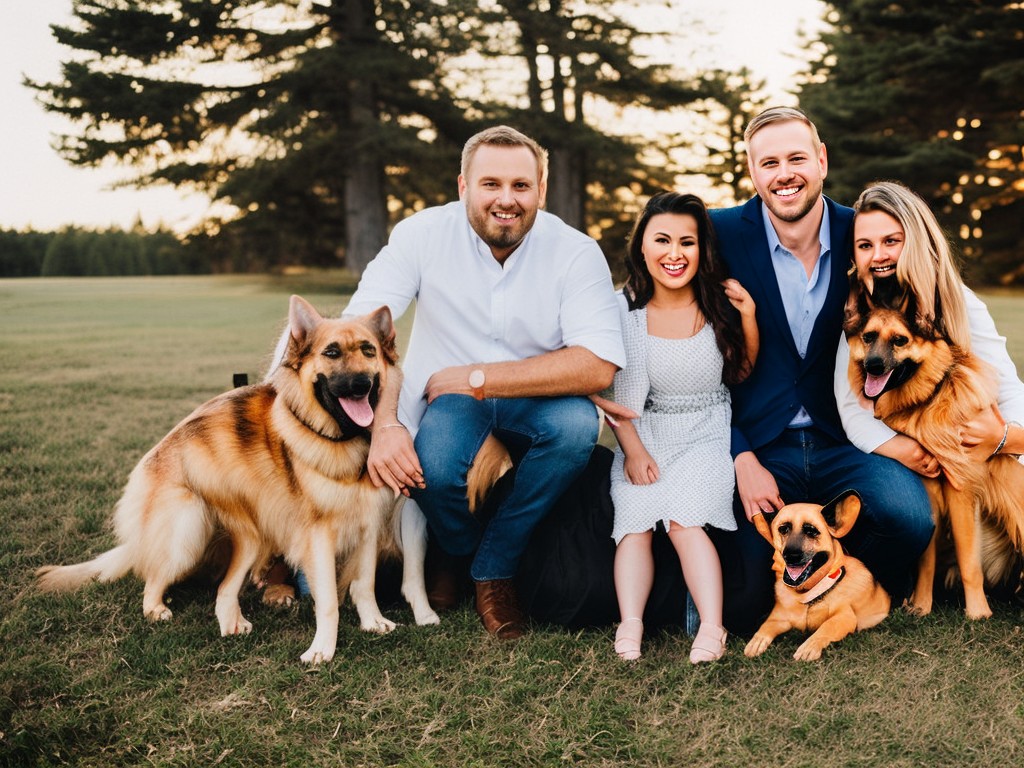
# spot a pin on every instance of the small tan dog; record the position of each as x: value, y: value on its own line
x: 818, y: 587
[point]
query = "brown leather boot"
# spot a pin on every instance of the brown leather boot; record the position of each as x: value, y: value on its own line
x: 444, y: 576
x: 498, y: 606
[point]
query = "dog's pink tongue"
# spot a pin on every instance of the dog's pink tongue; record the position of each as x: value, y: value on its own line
x: 358, y: 410
x: 873, y: 385
x: 794, y: 571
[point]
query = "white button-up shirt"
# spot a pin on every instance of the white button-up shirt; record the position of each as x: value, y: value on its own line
x: 553, y: 291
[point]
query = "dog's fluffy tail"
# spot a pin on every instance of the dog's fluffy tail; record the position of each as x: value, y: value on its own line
x: 109, y: 566
x: 491, y: 462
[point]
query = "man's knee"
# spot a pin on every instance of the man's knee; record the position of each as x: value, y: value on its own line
x: 571, y: 425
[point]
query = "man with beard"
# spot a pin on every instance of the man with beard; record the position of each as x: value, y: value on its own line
x: 516, y: 323
x: 789, y: 246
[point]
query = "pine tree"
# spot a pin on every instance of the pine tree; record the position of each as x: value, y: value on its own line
x: 300, y: 115
x: 930, y: 93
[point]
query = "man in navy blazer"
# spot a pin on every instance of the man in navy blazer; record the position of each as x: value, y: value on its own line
x: 790, y: 248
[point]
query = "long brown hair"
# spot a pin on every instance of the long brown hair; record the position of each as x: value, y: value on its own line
x: 711, y: 299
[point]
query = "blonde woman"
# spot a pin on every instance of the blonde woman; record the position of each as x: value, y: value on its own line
x: 895, y: 233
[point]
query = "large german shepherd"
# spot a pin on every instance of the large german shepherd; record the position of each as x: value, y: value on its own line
x: 279, y: 467
x: 924, y: 386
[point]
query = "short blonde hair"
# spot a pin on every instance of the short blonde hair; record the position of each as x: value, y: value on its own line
x: 926, y: 265
x: 504, y: 136
x: 779, y: 115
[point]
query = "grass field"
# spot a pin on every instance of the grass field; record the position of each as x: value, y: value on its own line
x: 94, y: 372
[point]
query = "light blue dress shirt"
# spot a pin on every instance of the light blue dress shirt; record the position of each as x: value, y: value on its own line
x: 802, y: 296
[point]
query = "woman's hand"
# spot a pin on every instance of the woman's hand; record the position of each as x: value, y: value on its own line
x: 640, y: 468
x: 911, y: 454
x: 739, y: 297
x: 982, y: 434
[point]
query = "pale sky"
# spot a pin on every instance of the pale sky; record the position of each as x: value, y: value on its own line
x: 41, y: 190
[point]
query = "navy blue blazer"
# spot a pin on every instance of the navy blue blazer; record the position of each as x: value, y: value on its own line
x: 782, y: 381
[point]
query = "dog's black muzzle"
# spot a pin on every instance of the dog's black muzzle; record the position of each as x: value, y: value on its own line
x: 352, y: 386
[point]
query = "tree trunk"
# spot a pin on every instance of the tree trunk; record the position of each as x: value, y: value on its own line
x: 565, y: 186
x: 366, y: 216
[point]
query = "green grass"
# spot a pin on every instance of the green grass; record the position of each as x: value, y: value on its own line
x: 94, y: 372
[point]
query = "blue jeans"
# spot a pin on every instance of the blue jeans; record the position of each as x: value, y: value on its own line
x: 550, y: 439
x: 894, y: 527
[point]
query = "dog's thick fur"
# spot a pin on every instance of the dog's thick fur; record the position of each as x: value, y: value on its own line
x: 805, y: 538
x: 925, y: 387
x: 279, y: 467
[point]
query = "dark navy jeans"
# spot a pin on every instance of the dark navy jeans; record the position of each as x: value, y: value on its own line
x: 894, y: 527
x: 550, y: 439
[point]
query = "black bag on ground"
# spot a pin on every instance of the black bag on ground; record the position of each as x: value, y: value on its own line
x: 566, y: 574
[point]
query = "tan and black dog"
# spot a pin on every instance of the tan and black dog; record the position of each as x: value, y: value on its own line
x: 924, y: 386
x: 818, y: 587
x: 277, y: 467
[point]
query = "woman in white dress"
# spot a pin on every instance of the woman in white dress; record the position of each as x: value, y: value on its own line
x: 686, y: 330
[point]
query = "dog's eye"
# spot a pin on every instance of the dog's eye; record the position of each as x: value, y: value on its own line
x: 900, y: 341
x: 785, y: 528
x: 333, y: 352
x: 368, y: 349
x: 870, y: 337
x: 811, y: 532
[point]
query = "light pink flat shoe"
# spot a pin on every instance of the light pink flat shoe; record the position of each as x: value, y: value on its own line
x: 628, y: 637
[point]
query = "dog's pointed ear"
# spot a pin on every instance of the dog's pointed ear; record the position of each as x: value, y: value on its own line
x: 924, y: 325
x: 858, y: 307
x: 763, y: 523
x: 888, y: 293
x: 302, y: 318
x: 381, y: 324
x: 841, y: 513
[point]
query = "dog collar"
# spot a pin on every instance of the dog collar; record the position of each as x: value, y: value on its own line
x: 823, y: 586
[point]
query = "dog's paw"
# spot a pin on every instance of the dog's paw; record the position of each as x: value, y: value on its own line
x: 758, y: 644
x: 159, y: 613
x: 315, y: 656
x: 378, y: 624
x: 279, y: 595
x: 917, y: 608
x: 241, y: 626
x: 809, y: 651
x: 425, y: 619
x: 977, y: 614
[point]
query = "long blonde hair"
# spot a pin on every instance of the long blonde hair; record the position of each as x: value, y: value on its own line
x: 926, y: 265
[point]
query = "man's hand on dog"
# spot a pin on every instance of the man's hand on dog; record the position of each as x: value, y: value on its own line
x: 759, y: 493
x: 393, y: 462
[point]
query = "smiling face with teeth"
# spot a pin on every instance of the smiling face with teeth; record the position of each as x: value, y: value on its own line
x: 788, y: 166
x: 671, y: 249
x: 878, y: 240
x: 502, y: 191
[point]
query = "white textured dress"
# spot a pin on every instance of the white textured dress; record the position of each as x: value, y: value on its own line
x: 676, y: 386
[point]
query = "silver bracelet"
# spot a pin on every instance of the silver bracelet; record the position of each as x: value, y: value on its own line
x: 397, y: 424
x: 1006, y: 431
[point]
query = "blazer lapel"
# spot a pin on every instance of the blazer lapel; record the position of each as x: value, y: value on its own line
x: 760, y: 259
x: 838, y: 286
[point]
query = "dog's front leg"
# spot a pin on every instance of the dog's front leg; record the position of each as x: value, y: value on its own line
x: 414, y: 555
x: 834, y: 628
x: 360, y: 573
x: 963, y: 522
x: 920, y: 602
x: 775, y: 625
x: 319, y: 569
x: 229, y: 613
